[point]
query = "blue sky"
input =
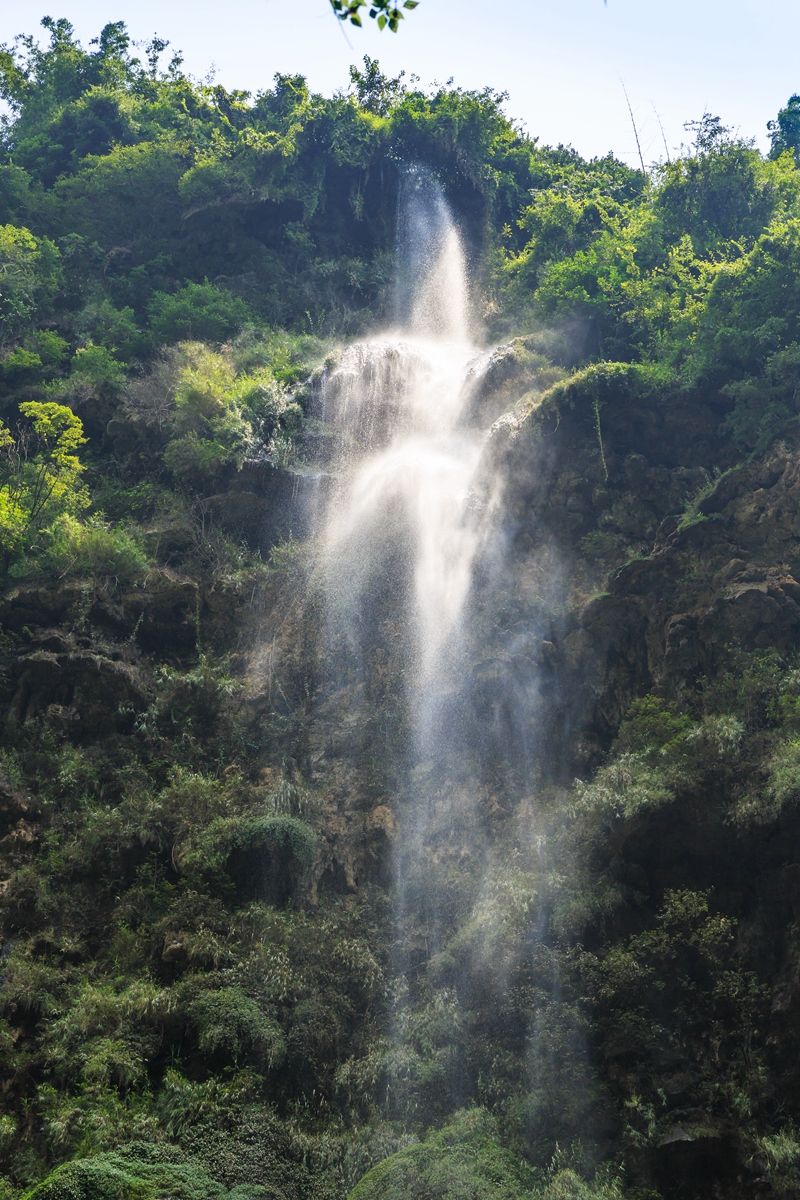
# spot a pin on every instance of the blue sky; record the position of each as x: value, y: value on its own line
x: 561, y: 61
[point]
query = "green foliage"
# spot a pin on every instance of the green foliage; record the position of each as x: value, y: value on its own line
x: 197, y: 942
x: 722, y: 193
x: 785, y: 129
x: 243, y: 845
x: 210, y: 430
x: 652, y: 724
x: 182, y: 979
x: 781, y: 1155
x: 198, y: 312
x: 679, y: 990
x: 101, y: 324
x: 625, y: 787
x: 464, y: 1159
x: 749, y: 684
x: 40, y: 476
x: 375, y: 92
x: 634, y: 383
x: 136, y: 1172
x: 784, y: 777
x: 693, y: 510
x: 155, y: 184
x: 765, y: 407
x: 91, y: 549
x: 229, y: 1022
x: 30, y: 275
x: 190, y: 705
x: 386, y: 12
x: 207, y: 417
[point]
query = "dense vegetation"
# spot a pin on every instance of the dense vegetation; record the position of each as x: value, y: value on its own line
x: 197, y: 983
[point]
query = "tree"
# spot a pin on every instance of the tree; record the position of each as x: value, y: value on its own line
x: 720, y: 193
x: 40, y: 473
x: 29, y: 278
x: 785, y: 130
x: 376, y: 92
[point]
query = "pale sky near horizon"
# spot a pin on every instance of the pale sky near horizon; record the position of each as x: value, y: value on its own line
x: 561, y: 63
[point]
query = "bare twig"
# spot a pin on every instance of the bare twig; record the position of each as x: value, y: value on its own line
x: 661, y: 127
x: 633, y: 123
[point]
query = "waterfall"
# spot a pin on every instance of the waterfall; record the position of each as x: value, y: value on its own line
x: 401, y: 501
x: 428, y: 710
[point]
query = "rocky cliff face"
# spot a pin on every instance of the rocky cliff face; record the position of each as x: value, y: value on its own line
x: 642, y: 566
x: 702, y: 618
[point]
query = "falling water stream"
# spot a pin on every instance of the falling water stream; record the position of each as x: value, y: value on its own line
x: 405, y: 460
x: 430, y: 698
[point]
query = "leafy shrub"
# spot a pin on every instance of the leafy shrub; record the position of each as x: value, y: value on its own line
x: 764, y: 804
x: 765, y: 406
x: 261, y: 854
x: 651, y: 723
x: 723, y: 192
x: 780, y: 1153
x: 191, y: 705
x: 31, y: 272
x: 623, y: 787
x: 590, y: 388
x: 209, y: 429
x: 42, y: 356
x: 281, y: 835
x: 87, y: 550
x: 212, y: 415
x: 463, y: 1160
x: 20, y: 366
x: 101, y: 324
x: 567, y: 1184
x: 39, y: 476
x: 136, y: 1172
x: 679, y: 993
x: 466, y: 1161
x: 748, y: 684
x: 231, y: 1024
x: 199, y: 311
x: 784, y: 776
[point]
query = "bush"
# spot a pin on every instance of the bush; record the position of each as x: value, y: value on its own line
x: 87, y: 550
x: 209, y: 429
x: 199, y: 311
x: 781, y: 1153
x: 230, y: 1023
x: 137, y: 1172
x: 31, y: 271
x: 463, y: 1161
x: 625, y: 786
x: 39, y: 477
x: 765, y: 406
x: 784, y: 776
x: 651, y: 723
x: 261, y: 854
x: 283, y: 836
x: 104, y: 325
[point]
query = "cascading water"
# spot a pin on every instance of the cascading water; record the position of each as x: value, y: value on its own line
x: 425, y: 705
x: 401, y: 522
x: 401, y: 504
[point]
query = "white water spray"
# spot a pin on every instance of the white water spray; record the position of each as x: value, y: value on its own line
x: 405, y: 462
